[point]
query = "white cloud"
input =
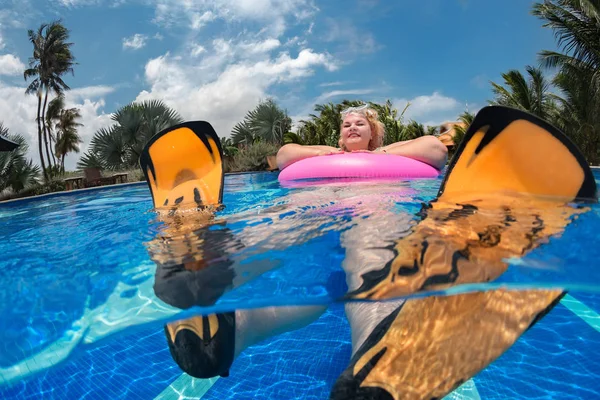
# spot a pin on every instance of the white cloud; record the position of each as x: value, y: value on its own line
x: 260, y: 47
x: 18, y: 112
x: 424, y: 107
x: 2, y: 44
x: 77, y: 3
x: 196, y: 49
x: 339, y: 93
x: 352, y: 41
x: 15, y: 13
x: 89, y: 92
x: 198, y: 20
x: 11, y: 65
x: 336, y: 83
x: 135, y: 42
x: 222, y: 88
x: 272, y: 14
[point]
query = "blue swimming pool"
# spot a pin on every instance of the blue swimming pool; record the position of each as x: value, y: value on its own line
x: 79, y: 319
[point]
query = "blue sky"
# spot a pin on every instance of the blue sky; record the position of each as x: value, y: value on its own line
x: 214, y: 60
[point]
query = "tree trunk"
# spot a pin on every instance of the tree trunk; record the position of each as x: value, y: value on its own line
x: 62, y: 164
x: 44, y: 128
x: 52, y: 146
x: 40, y: 136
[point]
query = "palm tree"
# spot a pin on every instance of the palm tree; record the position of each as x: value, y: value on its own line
x: 67, y: 139
x: 51, y: 59
x: 229, y: 149
x: 413, y: 130
x: 16, y: 171
x: 55, y: 106
x: 120, y: 145
x: 242, y: 134
x: 62, y: 127
x: 269, y: 122
x: 266, y: 122
x: 576, y: 26
x: 532, y: 95
x: 576, y: 113
x: 460, y: 130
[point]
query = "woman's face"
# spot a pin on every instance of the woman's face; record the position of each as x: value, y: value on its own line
x: 356, y: 132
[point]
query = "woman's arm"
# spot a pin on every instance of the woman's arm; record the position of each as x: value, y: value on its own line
x: 290, y: 153
x: 427, y: 149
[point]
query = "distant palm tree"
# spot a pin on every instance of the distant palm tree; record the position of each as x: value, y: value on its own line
x: 67, y: 138
x: 242, y: 134
x: 269, y: 122
x: 120, y: 145
x: 293, y: 137
x: 229, y: 149
x: 532, y: 94
x: 51, y: 59
x: 459, y: 131
x: 16, y: 171
x: 413, y: 130
x: 62, y: 127
x: 55, y: 106
x: 394, y: 123
x: 266, y: 122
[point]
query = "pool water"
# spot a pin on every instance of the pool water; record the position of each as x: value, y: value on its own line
x: 79, y: 319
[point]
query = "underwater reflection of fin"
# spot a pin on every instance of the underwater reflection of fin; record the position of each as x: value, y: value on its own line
x: 184, y: 167
x: 203, y: 346
x: 505, y: 192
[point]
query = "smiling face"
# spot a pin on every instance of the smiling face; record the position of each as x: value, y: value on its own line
x: 355, y: 133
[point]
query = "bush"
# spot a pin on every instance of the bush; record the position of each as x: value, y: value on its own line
x: 35, y: 190
x: 252, y: 158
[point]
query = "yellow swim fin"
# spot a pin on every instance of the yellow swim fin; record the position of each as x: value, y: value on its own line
x: 508, y: 150
x: 203, y: 346
x: 183, y: 165
x: 517, y: 167
x: 507, y: 190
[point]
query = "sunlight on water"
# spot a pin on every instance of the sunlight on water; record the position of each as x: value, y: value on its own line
x: 97, y: 266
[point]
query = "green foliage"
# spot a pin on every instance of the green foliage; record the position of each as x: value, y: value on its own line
x: 324, y: 128
x: 91, y: 159
x: 51, y: 59
x: 575, y: 24
x: 229, y: 150
x: 532, y: 94
x: 36, y: 189
x: 253, y: 157
x: 120, y: 145
x: 466, y: 118
x: 267, y: 122
x: 293, y: 137
x: 53, y: 171
x: 16, y: 171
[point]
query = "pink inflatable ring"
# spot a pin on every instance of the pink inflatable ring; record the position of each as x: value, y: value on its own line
x: 357, y: 165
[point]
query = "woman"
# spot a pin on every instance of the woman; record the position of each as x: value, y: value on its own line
x: 361, y: 131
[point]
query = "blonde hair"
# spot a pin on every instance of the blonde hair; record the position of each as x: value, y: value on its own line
x: 377, y: 127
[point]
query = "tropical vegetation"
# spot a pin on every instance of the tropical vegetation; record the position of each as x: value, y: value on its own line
x: 266, y: 122
x: 52, y: 58
x: 564, y: 89
x: 16, y: 171
x: 571, y: 99
x: 119, y: 146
